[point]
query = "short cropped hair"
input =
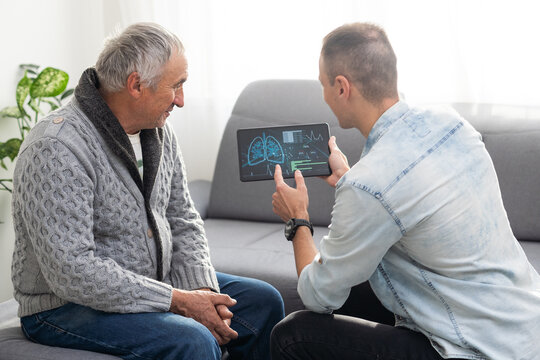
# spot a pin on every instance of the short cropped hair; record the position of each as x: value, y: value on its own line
x: 362, y: 53
x: 141, y: 47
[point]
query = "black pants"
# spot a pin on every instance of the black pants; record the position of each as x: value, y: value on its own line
x: 308, y: 335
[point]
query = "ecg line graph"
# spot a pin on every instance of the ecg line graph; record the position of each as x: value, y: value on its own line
x: 312, y: 137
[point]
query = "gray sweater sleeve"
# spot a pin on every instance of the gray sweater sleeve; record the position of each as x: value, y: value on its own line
x: 56, y: 202
x: 191, y: 267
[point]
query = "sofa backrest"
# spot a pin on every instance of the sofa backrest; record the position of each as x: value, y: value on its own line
x: 511, y: 135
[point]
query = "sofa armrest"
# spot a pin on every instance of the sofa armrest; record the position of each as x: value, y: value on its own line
x: 200, y: 194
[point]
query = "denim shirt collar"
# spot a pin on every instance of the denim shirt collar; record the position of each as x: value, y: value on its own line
x: 390, y: 116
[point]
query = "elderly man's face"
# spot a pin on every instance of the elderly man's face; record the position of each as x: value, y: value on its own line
x: 158, y: 103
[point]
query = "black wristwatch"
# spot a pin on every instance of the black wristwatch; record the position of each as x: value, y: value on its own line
x: 292, y: 225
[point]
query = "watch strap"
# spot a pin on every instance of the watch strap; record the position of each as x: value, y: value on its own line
x: 296, y: 223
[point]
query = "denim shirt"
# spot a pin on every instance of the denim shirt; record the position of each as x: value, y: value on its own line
x: 421, y: 216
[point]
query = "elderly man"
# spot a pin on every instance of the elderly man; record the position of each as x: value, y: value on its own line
x: 420, y: 216
x: 110, y: 253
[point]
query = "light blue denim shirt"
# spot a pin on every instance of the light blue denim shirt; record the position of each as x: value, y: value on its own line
x: 421, y: 216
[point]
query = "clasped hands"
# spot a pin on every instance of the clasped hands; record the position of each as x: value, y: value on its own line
x: 208, y: 308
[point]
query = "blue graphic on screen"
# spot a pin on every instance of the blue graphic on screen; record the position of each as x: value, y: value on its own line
x: 291, y: 148
x: 265, y: 149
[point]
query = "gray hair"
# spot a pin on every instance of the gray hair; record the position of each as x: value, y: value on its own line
x: 362, y: 53
x: 142, y: 47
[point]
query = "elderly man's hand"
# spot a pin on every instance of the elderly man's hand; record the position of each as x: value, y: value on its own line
x: 209, y: 308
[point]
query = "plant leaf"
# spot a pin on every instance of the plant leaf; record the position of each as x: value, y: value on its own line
x: 67, y: 93
x: 50, y: 82
x: 23, y: 88
x: 32, y: 69
x: 10, y: 149
x: 29, y: 66
x: 11, y: 112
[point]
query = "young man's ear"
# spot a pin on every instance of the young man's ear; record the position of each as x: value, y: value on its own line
x: 133, y: 85
x: 343, y: 86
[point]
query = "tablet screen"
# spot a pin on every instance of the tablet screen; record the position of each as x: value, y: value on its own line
x: 302, y: 147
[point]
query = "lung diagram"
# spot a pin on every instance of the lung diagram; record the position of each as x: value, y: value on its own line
x: 265, y: 148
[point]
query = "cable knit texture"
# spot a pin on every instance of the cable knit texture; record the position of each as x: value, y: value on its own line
x: 88, y: 230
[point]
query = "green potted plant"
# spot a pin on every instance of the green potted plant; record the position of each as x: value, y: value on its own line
x: 35, y: 90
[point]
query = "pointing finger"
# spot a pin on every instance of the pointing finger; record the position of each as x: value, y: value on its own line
x: 278, y: 177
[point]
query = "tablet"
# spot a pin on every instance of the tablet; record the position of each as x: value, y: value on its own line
x: 302, y: 147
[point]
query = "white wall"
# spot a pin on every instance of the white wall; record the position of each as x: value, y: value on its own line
x: 67, y: 34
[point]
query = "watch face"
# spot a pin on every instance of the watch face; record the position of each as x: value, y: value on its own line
x: 289, y: 226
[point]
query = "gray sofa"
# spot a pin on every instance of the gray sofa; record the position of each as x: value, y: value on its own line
x: 247, y: 239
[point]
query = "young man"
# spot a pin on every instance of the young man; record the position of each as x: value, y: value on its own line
x: 110, y: 253
x: 420, y: 216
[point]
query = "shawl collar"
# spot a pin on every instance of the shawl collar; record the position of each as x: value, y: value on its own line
x: 108, y: 126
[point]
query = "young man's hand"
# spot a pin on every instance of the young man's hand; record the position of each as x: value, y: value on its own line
x: 209, y: 308
x: 338, y: 163
x: 288, y: 202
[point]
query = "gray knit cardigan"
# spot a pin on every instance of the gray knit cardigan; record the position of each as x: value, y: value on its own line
x: 88, y: 229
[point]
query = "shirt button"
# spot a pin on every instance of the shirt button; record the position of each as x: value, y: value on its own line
x: 58, y: 120
x: 149, y: 233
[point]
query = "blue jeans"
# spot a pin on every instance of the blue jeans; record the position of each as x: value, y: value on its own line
x: 164, y: 335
